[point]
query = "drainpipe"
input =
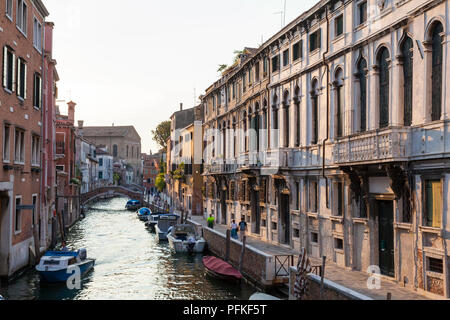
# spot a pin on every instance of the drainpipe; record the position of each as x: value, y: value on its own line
x: 37, y: 213
x: 328, y: 102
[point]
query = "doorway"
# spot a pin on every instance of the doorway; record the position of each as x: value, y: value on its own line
x: 223, y: 207
x: 386, y: 237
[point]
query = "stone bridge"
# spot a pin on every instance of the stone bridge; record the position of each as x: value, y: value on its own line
x: 115, y: 191
x: 112, y: 191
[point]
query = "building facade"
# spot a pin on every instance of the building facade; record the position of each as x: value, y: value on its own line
x: 125, y: 145
x: 105, y: 173
x: 151, y: 168
x: 184, y: 180
x: 21, y: 41
x: 333, y: 136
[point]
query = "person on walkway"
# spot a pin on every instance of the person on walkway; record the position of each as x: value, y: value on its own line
x: 210, y: 221
x: 234, y: 230
x: 242, y: 228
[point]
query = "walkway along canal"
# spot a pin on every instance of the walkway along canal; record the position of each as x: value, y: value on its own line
x: 130, y: 264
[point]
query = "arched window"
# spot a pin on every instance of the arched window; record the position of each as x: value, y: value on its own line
x: 436, y: 73
x: 245, y: 130
x: 297, y: 107
x: 407, y: 52
x: 339, y: 105
x: 383, y: 65
x: 286, y: 118
x: 362, y: 67
x: 314, y: 112
x: 257, y: 125
x: 275, y: 121
x: 115, y: 150
x: 234, y: 138
x: 264, y: 124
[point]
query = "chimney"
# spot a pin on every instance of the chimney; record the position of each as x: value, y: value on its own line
x: 71, y: 112
x: 181, y: 106
x: 80, y: 124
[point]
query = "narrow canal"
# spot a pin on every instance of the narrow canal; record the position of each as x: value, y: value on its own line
x: 130, y: 264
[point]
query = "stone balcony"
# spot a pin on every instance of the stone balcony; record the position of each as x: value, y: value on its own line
x: 391, y: 144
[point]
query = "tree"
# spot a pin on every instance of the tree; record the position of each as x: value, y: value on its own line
x: 160, y: 182
x: 222, y: 67
x: 162, y: 133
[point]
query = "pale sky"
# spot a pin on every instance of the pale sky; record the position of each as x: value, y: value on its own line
x: 133, y: 62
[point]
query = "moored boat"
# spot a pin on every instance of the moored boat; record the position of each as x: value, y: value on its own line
x: 152, y: 221
x: 165, y: 222
x: 143, y: 214
x: 58, y: 266
x: 133, y: 205
x: 221, y: 269
x: 183, y: 238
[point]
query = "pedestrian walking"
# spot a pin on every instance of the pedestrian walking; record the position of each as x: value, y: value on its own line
x: 210, y: 221
x: 242, y: 228
x: 234, y: 230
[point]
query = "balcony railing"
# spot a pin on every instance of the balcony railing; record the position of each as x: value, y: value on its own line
x: 389, y: 144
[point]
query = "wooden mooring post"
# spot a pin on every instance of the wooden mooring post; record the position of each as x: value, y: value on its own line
x: 322, y: 276
x: 227, y: 245
x: 241, y: 260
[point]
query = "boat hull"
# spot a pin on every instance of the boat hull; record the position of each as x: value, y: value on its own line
x: 180, y: 246
x: 62, y: 275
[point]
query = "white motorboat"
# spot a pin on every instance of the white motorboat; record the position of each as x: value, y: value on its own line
x: 165, y: 222
x: 184, y: 238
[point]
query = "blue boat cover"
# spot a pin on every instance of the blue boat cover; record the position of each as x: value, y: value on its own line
x: 133, y: 202
x: 144, y: 211
x: 61, y: 254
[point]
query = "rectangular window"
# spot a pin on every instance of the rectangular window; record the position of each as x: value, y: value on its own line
x: 244, y: 82
x: 19, y: 146
x: 9, y: 8
x: 100, y: 162
x: 9, y: 61
x: 314, y: 40
x: 35, y: 147
x: 60, y: 168
x: 265, y: 65
x: 297, y: 49
x: 339, y: 199
x: 234, y: 89
x: 362, y: 12
x: 250, y: 76
x: 275, y: 63
x: 296, y: 233
x: 100, y: 174
x: 338, y: 244
x: 285, y: 57
x: 60, y: 144
x: 37, y: 91
x: 314, y: 237
x: 22, y: 16
x: 433, y: 203
x: 21, y: 78
x: 339, y: 25
x: 18, y: 216
x: 435, y: 265
x: 37, y: 35
x: 313, y: 192
x: 297, y: 184
x: 6, y: 144
x: 257, y: 71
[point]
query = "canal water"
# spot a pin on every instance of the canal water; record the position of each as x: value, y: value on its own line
x: 130, y: 265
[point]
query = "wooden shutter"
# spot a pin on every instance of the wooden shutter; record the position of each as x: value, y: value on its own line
x: 25, y: 81
x: 437, y: 203
x: 5, y: 68
x: 19, y: 79
x: 13, y: 72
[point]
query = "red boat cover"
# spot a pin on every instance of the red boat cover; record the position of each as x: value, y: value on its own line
x: 221, y: 267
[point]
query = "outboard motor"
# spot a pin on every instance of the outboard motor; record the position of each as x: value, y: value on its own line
x: 83, y: 254
x: 191, y: 245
